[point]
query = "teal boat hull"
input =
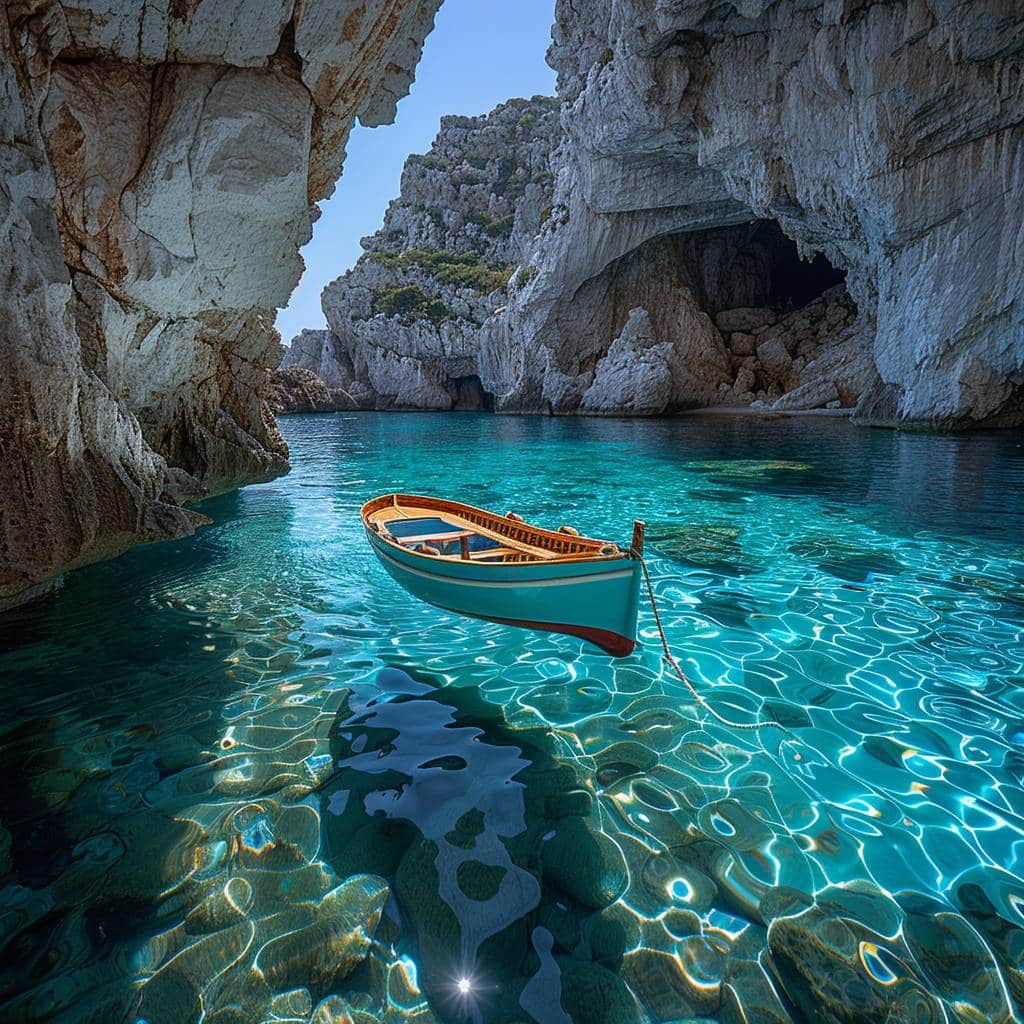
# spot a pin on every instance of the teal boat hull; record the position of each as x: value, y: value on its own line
x: 594, y: 600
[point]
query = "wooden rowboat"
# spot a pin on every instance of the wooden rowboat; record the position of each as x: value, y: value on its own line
x: 502, y: 569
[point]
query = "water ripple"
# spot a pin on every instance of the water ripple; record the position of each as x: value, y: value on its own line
x: 248, y: 779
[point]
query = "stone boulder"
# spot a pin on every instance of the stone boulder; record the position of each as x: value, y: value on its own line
x: 295, y: 390
x: 815, y: 394
x: 741, y: 344
x: 774, y: 358
x: 746, y: 320
x: 635, y: 377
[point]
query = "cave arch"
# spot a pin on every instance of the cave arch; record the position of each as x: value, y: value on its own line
x: 748, y: 321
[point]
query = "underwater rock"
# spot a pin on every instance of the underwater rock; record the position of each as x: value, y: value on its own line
x: 174, y: 993
x: 439, y: 932
x: 786, y: 713
x: 686, y: 984
x: 561, y: 704
x: 591, y: 994
x: 956, y: 962
x: 623, y: 760
x: 333, y: 943
x: 704, y: 546
x: 574, y: 803
x: 751, y: 471
x: 584, y: 864
x: 989, y: 899
x: 5, y: 853
x: 563, y: 924
x: 480, y: 881
x: 337, y: 1010
x: 836, y: 968
x: 381, y: 842
x: 731, y: 823
x: 855, y: 564
x: 610, y: 935
x: 223, y: 908
x: 297, y: 1003
x: 720, y: 495
x: 748, y: 995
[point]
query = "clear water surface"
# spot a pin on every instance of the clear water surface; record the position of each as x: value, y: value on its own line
x: 247, y: 778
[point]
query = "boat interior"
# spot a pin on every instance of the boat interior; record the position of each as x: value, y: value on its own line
x: 451, y: 530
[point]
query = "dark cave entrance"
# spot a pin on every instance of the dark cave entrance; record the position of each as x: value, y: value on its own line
x: 753, y: 265
x: 793, y: 282
x: 469, y: 395
x: 749, y: 321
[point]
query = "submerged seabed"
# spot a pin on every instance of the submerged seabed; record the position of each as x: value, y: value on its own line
x: 246, y: 778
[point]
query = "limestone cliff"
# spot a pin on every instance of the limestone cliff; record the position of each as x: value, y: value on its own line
x: 768, y: 204
x: 404, y: 323
x: 294, y: 389
x: 159, y: 166
x: 887, y: 138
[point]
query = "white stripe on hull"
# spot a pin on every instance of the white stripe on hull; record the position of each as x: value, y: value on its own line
x: 566, y: 581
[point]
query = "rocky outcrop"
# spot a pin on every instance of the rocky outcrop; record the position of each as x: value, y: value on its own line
x: 293, y: 389
x: 816, y: 357
x: 855, y: 171
x: 404, y: 322
x: 635, y: 375
x: 886, y: 137
x: 322, y: 354
x: 159, y: 167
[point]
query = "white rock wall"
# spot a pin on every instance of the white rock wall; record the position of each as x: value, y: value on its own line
x: 158, y: 169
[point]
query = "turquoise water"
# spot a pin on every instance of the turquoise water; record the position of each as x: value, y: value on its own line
x: 246, y: 778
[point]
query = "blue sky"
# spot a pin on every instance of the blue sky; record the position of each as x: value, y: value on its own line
x: 480, y: 53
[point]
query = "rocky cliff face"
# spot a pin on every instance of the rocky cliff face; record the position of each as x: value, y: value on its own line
x: 405, y: 321
x: 775, y: 204
x: 294, y: 389
x: 885, y: 137
x: 159, y: 165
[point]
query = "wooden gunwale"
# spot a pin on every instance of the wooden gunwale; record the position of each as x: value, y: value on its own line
x: 547, y: 547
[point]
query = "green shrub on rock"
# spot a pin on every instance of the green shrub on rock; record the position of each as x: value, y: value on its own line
x: 494, y: 226
x: 460, y: 270
x: 525, y: 276
x: 411, y: 302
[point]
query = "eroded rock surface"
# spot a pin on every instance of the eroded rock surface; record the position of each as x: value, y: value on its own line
x: 852, y: 174
x: 293, y: 389
x: 887, y: 138
x: 404, y: 323
x: 159, y: 167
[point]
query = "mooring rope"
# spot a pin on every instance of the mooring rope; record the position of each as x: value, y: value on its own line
x: 670, y: 658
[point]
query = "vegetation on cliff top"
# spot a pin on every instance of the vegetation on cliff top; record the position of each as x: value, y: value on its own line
x: 410, y: 302
x: 494, y: 226
x: 460, y: 270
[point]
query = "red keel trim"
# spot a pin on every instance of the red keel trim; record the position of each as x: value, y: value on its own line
x: 615, y: 644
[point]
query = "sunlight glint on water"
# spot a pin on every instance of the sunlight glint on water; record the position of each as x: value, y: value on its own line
x: 245, y: 775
